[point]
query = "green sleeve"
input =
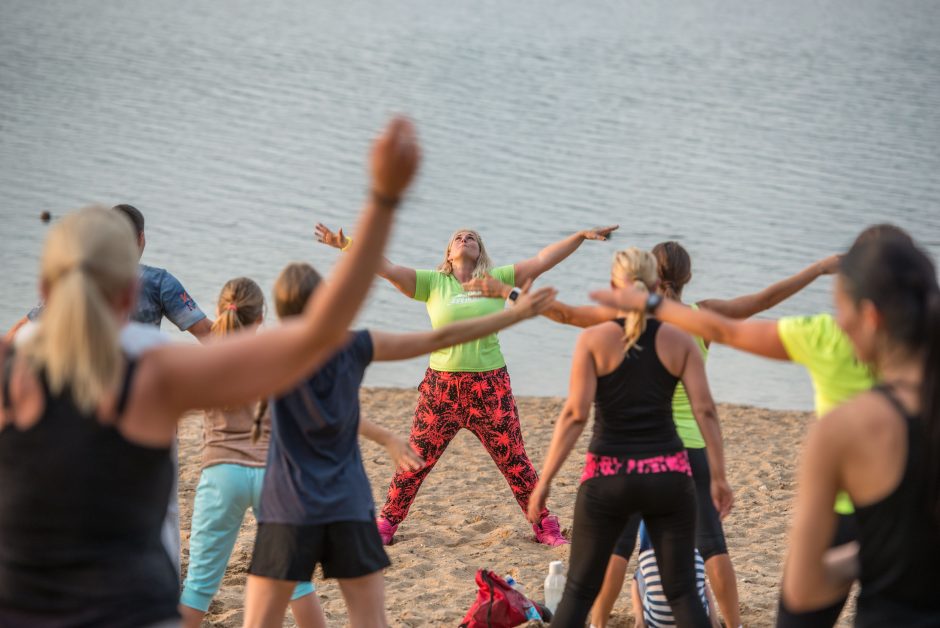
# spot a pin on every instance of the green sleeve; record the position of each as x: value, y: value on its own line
x: 802, y: 336
x: 423, y: 281
x: 506, y: 274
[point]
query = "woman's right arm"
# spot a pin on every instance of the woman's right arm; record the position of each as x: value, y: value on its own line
x: 748, y: 305
x: 759, y: 337
x: 247, y: 366
x: 388, y: 347
x: 403, y: 278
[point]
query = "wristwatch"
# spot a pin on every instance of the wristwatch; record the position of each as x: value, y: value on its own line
x: 653, y: 302
x: 513, y: 295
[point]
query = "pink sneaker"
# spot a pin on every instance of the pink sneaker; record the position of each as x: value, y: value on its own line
x: 386, y: 530
x: 548, y: 532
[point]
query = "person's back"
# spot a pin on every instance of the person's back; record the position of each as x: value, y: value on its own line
x: 81, y: 510
x: 633, y: 403
x: 315, y: 472
x: 899, y: 540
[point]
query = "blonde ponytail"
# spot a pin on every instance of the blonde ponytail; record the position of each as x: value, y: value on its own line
x: 89, y: 259
x: 241, y: 303
x: 634, y: 267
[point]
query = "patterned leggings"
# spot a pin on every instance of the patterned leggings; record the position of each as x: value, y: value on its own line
x: 480, y: 402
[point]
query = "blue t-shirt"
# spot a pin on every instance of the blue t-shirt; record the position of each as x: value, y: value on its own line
x: 161, y: 294
x: 315, y: 473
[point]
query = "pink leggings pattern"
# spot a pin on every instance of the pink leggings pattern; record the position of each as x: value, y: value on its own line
x: 596, y: 466
x: 479, y: 402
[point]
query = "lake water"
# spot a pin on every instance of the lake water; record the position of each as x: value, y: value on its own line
x: 761, y: 135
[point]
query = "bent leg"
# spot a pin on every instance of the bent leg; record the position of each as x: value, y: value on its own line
x: 432, y: 429
x: 365, y: 600
x: 601, y: 512
x: 222, y: 497
x: 494, y: 420
x: 616, y: 573
x: 307, y: 610
x: 266, y: 601
x: 671, y: 525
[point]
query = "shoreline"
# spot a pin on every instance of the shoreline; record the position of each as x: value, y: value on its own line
x: 465, y: 518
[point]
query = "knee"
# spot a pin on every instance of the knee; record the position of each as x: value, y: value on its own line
x: 711, y: 545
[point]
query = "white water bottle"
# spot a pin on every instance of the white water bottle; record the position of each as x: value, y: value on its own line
x: 554, y: 584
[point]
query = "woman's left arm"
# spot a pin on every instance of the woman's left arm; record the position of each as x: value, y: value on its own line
x: 570, y: 424
x: 553, y: 254
x: 807, y: 583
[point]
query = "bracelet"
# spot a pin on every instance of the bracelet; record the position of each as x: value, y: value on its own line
x: 383, y: 201
x: 347, y: 245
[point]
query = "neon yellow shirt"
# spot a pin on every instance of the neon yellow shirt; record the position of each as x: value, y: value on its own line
x: 447, y: 302
x: 686, y: 425
x: 822, y: 347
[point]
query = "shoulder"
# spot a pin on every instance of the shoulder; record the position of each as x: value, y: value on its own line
x: 506, y: 274
x: 675, y: 337
x: 601, y: 336
x: 152, y: 273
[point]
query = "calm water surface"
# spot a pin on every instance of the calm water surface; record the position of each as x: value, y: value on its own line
x: 761, y: 135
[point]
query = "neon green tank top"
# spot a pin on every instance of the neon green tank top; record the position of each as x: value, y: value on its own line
x: 686, y: 425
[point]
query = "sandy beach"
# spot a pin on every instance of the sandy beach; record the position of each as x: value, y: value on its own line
x: 465, y: 517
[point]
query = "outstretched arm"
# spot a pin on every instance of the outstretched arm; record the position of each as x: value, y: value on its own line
x: 752, y: 336
x: 401, y: 453
x: 403, y: 278
x: 553, y: 254
x: 387, y: 347
x: 750, y: 304
x: 570, y: 424
x: 11, y: 333
x: 577, y: 315
x: 247, y: 366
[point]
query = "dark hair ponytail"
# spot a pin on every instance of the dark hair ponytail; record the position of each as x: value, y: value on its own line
x: 674, y: 267
x: 900, y: 280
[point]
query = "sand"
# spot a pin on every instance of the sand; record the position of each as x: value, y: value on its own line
x: 465, y: 517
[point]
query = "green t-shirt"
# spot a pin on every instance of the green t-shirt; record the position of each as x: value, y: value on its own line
x: 447, y: 303
x: 686, y: 425
x: 822, y: 347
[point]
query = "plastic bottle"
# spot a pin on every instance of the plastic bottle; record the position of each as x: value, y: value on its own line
x: 554, y: 584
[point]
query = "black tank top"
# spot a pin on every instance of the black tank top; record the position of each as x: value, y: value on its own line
x: 900, y: 545
x: 81, y: 510
x: 633, y: 403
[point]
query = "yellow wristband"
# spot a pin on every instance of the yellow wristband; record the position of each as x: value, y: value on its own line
x: 348, y: 243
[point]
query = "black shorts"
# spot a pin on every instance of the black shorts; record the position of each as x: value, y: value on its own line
x: 709, y: 535
x: 345, y: 549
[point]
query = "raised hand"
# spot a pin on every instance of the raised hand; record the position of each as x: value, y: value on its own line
x: 323, y: 234
x: 488, y: 286
x: 626, y: 299
x: 599, y: 233
x: 394, y: 160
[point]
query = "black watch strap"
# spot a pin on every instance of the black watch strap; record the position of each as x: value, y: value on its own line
x: 653, y: 302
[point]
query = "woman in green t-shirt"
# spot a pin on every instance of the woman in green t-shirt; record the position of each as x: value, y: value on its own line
x: 675, y: 271
x: 467, y: 386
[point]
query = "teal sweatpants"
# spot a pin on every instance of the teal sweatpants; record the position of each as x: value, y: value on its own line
x: 224, y: 494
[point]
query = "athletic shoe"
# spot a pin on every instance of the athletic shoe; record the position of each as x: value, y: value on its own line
x: 386, y: 530
x: 548, y: 532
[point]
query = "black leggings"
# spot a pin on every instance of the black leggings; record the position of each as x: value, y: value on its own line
x: 666, y: 501
x: 709, y: 534
x: 846, y: 532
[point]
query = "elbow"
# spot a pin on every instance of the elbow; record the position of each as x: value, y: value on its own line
x: 574, y: 417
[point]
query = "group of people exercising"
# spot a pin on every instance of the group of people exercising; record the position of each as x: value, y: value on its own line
x: 91, y: 400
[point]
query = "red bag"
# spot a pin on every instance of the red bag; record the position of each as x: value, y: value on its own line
x: 498, y: 605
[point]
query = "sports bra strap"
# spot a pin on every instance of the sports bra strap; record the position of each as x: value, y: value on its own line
x: 125, y: 389
x: 888, y: 394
